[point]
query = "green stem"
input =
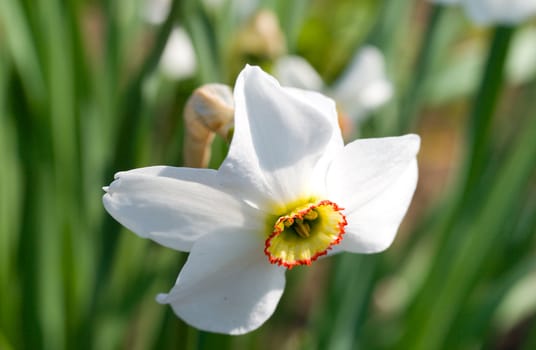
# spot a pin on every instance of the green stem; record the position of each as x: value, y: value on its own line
x: 34, y: 156
x: 484, y: 107
x: 412, y: 100
x: 345, y: 305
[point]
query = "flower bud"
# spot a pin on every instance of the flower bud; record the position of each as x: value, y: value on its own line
x: 263, y: 36
x: 259, y: 42
x: 209, y: 111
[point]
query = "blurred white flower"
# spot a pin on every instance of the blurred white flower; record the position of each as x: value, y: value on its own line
x: 503, y: 12
x: 507, y: 12
x: 364, y: 85
x: 155, y: 11
x: 178, y: 60
x: 521, y: 64
x: 288, y: 192
x: 361, y: 88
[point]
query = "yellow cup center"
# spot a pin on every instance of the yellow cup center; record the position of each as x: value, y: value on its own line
x: 305, y: 233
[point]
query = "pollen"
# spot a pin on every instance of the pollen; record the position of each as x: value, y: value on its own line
x: 305, y: 233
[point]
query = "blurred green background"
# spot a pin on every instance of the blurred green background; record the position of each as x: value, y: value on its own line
x: 82, y: 95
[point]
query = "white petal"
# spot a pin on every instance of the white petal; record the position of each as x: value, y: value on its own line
x: 335, y: 145
x: 227, y: 285
x: 178, y: 59
x: 364, y: 84
x: 295, y: 71
x: 280, y: 135
x: 176, y: 206
x: 366, y: 167
x: 185, y: 174
x: 373, y: 226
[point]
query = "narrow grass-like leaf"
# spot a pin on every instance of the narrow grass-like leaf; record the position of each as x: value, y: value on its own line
x: 338, y: 322
x: 481, y: 236
x: 10, y: 214
x: 19, y: 41
x: 486, y: 101
x: 412, y: 96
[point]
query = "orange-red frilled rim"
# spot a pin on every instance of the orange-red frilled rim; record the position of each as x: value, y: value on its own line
x: 305, y: 233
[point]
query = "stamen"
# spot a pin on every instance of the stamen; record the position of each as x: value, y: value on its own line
x: 288, y: 222
x: 311, y: 215
x: 302, y: 228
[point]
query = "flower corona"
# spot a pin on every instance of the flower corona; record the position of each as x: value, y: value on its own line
x: 304, y: 234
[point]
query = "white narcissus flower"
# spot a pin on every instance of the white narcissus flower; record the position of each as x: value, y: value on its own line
x: 288, y: 192
x: 504, y: 12
x: 362, y: 87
